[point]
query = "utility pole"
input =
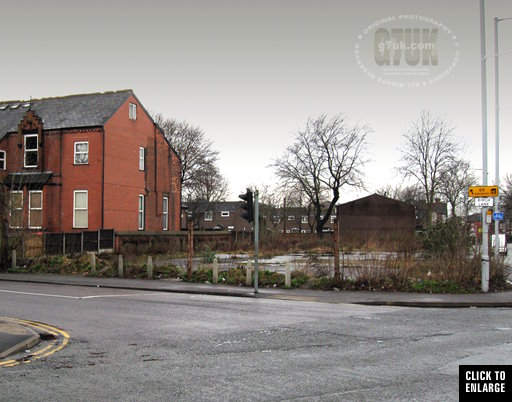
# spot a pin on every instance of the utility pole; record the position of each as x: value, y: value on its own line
x: 485, y: 227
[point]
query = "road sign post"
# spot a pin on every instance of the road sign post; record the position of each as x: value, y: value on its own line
x: 484, y: 197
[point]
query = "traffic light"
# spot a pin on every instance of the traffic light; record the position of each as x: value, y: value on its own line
x: 247, y: 205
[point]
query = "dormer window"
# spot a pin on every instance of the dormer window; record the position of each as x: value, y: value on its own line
x: 31, y: 150
x: 133, y: 111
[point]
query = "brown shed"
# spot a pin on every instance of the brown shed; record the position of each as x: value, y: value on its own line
x: 375, y: 218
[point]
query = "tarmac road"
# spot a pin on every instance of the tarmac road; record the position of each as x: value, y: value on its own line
x: 128, y: 344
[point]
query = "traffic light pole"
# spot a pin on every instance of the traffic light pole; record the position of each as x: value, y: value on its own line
x: 256, y: 239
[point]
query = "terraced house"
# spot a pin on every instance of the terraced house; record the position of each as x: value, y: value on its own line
x: 87, y: 162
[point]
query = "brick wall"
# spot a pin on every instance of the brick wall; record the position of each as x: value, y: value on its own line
x: 124, y: 182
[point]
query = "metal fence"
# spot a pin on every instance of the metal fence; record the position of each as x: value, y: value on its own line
x: 74, y: 243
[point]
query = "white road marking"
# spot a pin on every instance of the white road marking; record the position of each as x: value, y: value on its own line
x: 38, y: 294
x: 79, y: 297
x: 125, y: 295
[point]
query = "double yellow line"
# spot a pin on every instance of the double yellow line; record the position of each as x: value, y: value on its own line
x: 60, y: 342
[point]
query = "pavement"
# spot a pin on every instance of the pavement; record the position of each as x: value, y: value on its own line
x: 16, y: 337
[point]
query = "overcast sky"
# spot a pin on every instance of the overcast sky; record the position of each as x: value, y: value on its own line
x: 250, y: 73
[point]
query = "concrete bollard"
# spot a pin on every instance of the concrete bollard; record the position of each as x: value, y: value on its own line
x: 248, y: 274
x: 93, y: 264
x: 120, y: 267
x: 215, y: 276
x: 14, y: 263
x: 150, y: 267
x: 288, y: 276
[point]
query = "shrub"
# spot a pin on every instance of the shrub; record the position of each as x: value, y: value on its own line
x: 201, y: 275
x: 235, y: 276
x: 208, y: 255
x: 299, y: 278
x: 452, y: 237
x: 434, y: 286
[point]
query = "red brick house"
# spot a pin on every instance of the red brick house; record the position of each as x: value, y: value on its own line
x: 217, y: 215
x: 88, y: 162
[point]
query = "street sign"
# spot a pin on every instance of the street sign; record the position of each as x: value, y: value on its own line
x: 497, y: 216
x: 484, y: 202
x: 483, y: 191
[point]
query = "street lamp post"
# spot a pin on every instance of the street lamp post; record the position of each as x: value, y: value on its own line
x: 485, y: 227
x: 497, y: 129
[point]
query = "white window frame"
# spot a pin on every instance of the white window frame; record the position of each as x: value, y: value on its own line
x: 17, y: 209
x: 36, y: 150
x: 304, y: 219
x: 224, y: 214
x: 208, y: 216
x: 86, y: 192
x: 132, y: 111
x: 3, y: 158
x: 333, y: 217
x: 165, y: 213
x: 291, y: 217
x: 30, y: 209
x: 141, y: 214
x: 276, y: 219
x: 142, y: 152
x: 75, y: 153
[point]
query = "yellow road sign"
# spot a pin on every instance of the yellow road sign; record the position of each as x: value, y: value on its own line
x: 483, y: 191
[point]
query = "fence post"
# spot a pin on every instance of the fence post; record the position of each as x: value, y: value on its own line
x: 14, y: 259
x: 99, y: 241
x: 82, y: 242
x: 93, y: 264
x: 150, y: 267
x: 120, y: 266
x: 288, y: 276
x: 248, y: 274
x: 63, y: 243
x: 215, y: 274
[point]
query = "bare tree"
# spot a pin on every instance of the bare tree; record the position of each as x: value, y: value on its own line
x: 200, y: 175
x: 276, y: 202
x: 327, y: 154
x: 428, y: 152
x: 506, y: 196
x: 409, y: 194
x: 209, y: 186
x: 454, y: 183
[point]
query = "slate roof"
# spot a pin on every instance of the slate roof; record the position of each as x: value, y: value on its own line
x: 218, y: 206
x: 86, y: 110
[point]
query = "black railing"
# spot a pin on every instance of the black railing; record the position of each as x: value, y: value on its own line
x: 80, y: 242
